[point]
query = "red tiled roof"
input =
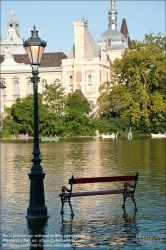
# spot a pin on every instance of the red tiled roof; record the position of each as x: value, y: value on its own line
x: 53, y: 59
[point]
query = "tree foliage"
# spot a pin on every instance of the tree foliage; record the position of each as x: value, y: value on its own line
x: 54, y: 97
x: 76, y: 105
x: 69, y: 118
x: 22, y: 112
x: 76, y: 117
x: 137, y: 90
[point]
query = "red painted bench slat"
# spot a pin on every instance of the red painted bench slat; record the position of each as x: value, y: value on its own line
x: 101, y: 179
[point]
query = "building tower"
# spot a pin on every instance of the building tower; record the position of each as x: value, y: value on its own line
x: 13, y: 42
x: 86, y: 67
x: 112, y: 19
x: 114, y: 40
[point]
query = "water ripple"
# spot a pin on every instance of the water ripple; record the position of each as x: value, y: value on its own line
x: 99, y: 222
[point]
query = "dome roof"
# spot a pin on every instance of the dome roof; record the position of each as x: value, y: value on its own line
x: 112, y: 38
x: 113, y: 35
x: 112, y: 12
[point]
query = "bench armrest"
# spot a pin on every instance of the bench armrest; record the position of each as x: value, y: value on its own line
x: 64, y: 188
x: 129, y: 185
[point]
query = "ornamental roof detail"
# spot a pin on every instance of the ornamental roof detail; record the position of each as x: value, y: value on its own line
x: 12, y: 43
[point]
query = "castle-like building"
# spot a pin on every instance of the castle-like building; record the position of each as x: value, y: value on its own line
x: 85, y: 68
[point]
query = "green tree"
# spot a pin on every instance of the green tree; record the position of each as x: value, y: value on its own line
x: 22, y: 112
x: 77, y: 104
x: 137, y: 91
x: 104, y: 100
x: 54, y: 97
x: 9, y: 126
x: 76, y: 117
x: 52, y: 125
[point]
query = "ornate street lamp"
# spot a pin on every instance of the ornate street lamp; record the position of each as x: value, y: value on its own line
x: 37, y: 209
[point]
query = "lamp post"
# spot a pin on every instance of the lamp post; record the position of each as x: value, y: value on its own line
x: 37, y: 209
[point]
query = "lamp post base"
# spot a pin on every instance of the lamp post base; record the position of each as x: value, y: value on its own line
x: 37, y: 208
x: 37, y: 213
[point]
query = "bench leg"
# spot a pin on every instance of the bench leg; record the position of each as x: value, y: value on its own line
x: 132, y: 197
x: 62, y: 201
x: 124, y: 200
x: 72, y: 214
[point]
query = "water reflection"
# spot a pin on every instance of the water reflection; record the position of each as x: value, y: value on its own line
x: 130, y: 226
x: 100, y: 232
x: 37, y: 230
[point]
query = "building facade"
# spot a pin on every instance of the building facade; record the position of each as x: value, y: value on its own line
x: 16, y: 73
x: 85, y: 68
x: 16, y: 70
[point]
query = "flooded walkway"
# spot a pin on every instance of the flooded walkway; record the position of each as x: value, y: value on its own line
x: 99, y: 221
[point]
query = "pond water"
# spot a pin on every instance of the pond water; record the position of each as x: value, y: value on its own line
x: 99, y: 221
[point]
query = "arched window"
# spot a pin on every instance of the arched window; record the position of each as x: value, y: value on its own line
x: 109, y: 43
x: 16, y: 86
x: 30, y: 86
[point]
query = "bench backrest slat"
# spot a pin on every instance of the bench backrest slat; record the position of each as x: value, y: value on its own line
x: 101, y: 179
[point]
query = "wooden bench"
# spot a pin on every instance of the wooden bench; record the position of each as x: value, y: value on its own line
x: 127, y: 191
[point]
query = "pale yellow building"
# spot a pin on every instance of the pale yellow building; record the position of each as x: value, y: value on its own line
x: 85, y: 68
x: 16, y: 73
x: 15, y: 68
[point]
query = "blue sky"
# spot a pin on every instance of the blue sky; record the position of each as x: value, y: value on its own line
x: 54, y: 19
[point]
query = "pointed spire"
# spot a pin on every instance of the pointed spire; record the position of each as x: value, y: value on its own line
x: 12, y: 14
x: 124, y: 31
x: 12, y: 22
x: 112, y: 16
